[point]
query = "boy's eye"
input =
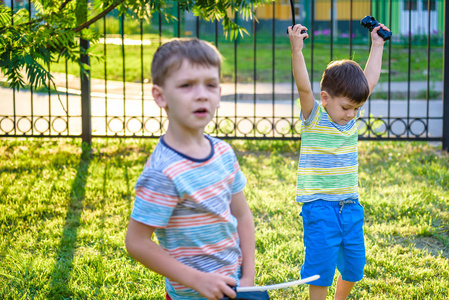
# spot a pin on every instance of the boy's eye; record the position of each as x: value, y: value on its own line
x: 184, y: 85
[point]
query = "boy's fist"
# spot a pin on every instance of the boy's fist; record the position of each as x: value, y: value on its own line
x: 370, y: 23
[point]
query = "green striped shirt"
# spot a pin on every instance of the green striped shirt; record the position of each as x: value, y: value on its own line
x: 328, y: 162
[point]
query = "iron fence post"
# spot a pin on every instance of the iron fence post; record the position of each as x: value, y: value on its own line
x: 446, y: 80
x: 85, y: 95
x: 86, y: 126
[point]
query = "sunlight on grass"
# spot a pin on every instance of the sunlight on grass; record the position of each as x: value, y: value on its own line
x: 262, y: 61
x: 64, y: 213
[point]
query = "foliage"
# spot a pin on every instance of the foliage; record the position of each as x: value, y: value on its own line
x: 64, y: 210
x: 31, y: 42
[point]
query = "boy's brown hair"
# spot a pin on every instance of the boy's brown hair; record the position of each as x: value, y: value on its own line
x: 170, y: 55
x: 345, y: 78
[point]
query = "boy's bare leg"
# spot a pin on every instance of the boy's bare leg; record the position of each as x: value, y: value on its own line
x: 317, y: 292
x: 343, y: 288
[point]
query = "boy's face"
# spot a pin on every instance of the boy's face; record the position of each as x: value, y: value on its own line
x: 340, y: 109
x: 190, y: 96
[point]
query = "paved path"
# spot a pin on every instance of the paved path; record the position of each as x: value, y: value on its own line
x: 264, y: 91
x: 283, y: 107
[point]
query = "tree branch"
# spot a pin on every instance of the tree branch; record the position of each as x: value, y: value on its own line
x: 98, y: 17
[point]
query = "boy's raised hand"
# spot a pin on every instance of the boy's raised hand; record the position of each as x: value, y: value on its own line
x: 375, y: 37
x: 374, y: 63
x: 297, y: 35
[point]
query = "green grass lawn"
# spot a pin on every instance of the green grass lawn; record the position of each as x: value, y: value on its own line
x: 261, y: 61
x: 64, y: 213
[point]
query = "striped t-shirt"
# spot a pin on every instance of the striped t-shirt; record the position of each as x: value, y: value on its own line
x: 328, y: 161
x: 188, y: 201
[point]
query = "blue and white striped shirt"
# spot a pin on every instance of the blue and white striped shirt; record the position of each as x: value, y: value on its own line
x: 188, y: 201
x: 328, y: 162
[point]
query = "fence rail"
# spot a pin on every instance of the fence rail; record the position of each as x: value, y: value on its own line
x: 259, y: 95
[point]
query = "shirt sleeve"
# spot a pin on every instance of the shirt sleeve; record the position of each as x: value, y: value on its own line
x: 240, y: 179
x: 156, y: 198
x: 312, y: 114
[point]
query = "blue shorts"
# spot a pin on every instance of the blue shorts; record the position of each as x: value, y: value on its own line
x: 333, y: 238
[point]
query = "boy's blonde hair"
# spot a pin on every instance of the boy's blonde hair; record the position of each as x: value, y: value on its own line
x: 345, y: 78
x: 170, y: 55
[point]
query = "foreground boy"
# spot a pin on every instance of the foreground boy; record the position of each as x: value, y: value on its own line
x: 190, y: 192
x: 327, y: 176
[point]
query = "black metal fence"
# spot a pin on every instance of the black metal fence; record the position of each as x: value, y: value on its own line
x: 259, y: 95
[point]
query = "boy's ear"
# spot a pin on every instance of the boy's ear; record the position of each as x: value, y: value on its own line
x: 158, y: 95
x: 324, y: 98
x: 218, y: 106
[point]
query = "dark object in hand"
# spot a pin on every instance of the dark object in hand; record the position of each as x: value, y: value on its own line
x: 302, y: 31
x: 262, y: 295
x: 370, y: 23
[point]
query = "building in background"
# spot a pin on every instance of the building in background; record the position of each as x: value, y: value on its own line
x: 416, y: 19
x: 404, y: 17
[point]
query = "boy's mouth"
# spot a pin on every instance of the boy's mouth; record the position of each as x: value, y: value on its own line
x: 200, y: 111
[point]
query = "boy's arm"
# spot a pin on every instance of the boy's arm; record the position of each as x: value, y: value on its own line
x: 374, y: 63
x: 303, y: 85
x: 143, y: 249
x: 245, y: 228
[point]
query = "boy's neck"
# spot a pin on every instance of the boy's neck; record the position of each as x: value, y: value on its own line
x: 196, y: 145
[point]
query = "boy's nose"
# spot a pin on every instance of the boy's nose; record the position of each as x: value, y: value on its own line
x: 351, y: 114
x: 201, y: 92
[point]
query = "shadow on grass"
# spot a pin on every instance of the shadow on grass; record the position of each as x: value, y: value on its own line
x: 64, y: 257
x: 428, y: 244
